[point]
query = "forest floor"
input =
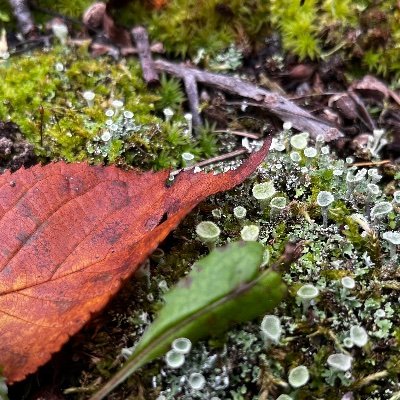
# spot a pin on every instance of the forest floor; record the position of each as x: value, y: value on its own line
x: 352, y: 150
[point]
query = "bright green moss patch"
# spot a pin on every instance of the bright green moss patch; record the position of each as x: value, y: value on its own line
x: 44, y: 94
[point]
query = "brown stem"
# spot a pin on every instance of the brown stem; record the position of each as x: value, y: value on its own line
x: 240, y: 133
x: 367, y: 380
x: 363, y: 110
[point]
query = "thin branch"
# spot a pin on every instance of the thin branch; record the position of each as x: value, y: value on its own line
x: 369, y: 122
x: 367, y: 380
x: 370, y: 163
x: 24, y: 18
x: 240, y: 133
x: 141, y: 38
x: 275, y: 103
x: 193, y: 98
x: 213, y: 160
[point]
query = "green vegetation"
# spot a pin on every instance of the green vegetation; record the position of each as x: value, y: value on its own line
x: 364, y: 33
x: 348, y: 262
x: 223, y: 288
x: 44, y: 93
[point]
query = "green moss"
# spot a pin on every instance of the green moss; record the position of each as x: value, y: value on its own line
x: 32, y: 83
x: 186, y: 26
x: 339, y: 211
x: 170, y: 92
x: 362, y: 31
x: 43, y: 94
x: 321, y: 179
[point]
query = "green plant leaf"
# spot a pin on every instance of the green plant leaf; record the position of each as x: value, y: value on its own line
x: 223, y: 288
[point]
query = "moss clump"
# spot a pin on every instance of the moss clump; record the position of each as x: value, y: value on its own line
x: 359, y: 30
x: 43, y: 94
x: 364, y: 32
x: 186, y: 26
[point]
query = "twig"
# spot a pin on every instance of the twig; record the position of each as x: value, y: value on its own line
x: 28, y: 45
x: 213, y: 160
x: 396, y: 396
x: 67, y: 18
x: 24, y: 18
x: 239, y: 133
x: 222, y: 157
x: 308, y: 95
x: 141, y: 38
x: 394, y: 285
x: 275, y: 103
x: 193, y: 98
x: 370, y: 123
x: 261, y: 105
x: 370, y: 163
x: 154, y: 48
x: 394, y: 96
x: 371, y: 378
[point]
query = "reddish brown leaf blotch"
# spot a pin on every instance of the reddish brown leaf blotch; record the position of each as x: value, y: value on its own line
x: 70, y: 233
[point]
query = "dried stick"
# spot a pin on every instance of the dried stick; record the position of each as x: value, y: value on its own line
x: 141, y: 38
x: 222, y: 157
x: 363, y: 110
x: 240, y: 133
x: 193, y: 98
x: 24, y: 17
x: 274, y: 103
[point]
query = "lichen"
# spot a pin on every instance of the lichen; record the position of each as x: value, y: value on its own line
x: 240, y: 365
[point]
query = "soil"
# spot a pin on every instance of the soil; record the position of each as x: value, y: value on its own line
x: 15, y: 150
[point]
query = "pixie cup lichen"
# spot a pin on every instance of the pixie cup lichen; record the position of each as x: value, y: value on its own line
x: 187, y: 159
x: 197, y: 381
x: 380, y: 210
x: 277, y: 205
x: 340, y: 362
x: 299, y: 141
x: 208, y: 232
x: 89, y: 97
x: 174, y: 359
x: 306, y: 294
x: 239, y: 212
x: 250, y: 233
x: 324, y: 200
x: 298, y: 376
x: 271, y: 329
x: 182, y: 345
x: 358, y: 335
x: 393, y: 238
x: 263, y: 192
